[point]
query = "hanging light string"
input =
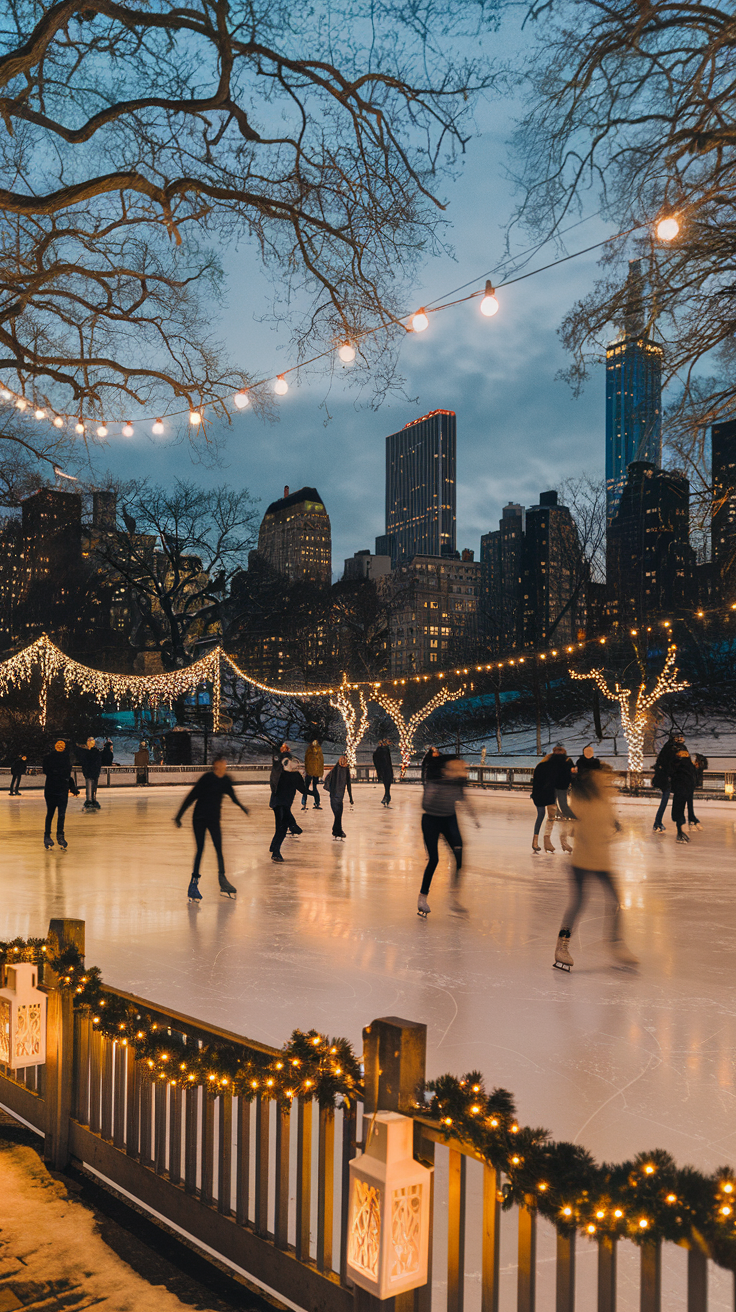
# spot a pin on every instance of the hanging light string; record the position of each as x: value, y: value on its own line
x: 666, y: 229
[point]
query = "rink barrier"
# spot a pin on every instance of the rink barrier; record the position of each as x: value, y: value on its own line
x: 264, y: 1189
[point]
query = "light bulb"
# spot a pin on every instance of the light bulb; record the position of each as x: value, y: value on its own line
x: 195, y: 418
x: 21, y: 403
x: 667, y: 229
x: 102, y: 431
x: 58, y: 422
x: 158, y: 428
x: 489, y: 304
x: 40, y: 414
x: 420, y: 321
x: 128, y: 429
x: 79, y: 427
x: 281, y: 386
x: 241, y: 399
x: 346, y: 352
x: 6, y: 395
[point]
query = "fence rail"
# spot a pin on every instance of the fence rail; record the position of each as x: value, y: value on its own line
x: 266, y: 1189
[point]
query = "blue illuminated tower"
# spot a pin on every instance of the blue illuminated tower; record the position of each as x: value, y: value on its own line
x: 633, y: 395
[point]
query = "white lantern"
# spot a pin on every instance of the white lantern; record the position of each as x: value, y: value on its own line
x: 388, y: 1217
x: 22, y: 1018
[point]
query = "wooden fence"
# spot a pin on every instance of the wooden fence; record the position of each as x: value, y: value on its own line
x: 264, y: 1190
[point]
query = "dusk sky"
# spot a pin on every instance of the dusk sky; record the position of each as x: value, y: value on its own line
x: 520, y: 430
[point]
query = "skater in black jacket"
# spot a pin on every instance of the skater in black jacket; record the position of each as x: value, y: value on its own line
x: 662, y: 776
x: 545, y: 800
x: 277, y: 765
x: 289, y: 783
x: 337, y: 781
x: 588, y: 760
x: 17, y: 770
x: 207, y: 795
x: 444, y: 788
x: 683, y: 786
x: 59, y: 784
x: 384, y: 769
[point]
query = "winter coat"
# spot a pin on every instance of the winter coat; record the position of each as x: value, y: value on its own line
x: 543, y: 787
x: 594, y: 825
x: 337, y: 781
x: 561, y: 771
x: 59, y: 778
x: 107, y: 755
x: 683, y: 776
x: 584, y: 763
x: 289, y: 783
x: 383, y: 764
x: 441, y: 796
x: 663, y: 768
x: 142, y: 758
x: 701, y: 763
x: 90, y: 759
x: 207, y: 795
x: 430, y: 765
x: 314, y: 762
x: 19, y: 766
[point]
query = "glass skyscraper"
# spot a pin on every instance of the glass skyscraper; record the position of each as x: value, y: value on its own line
x: 633, y: 395
x: 420, y: 489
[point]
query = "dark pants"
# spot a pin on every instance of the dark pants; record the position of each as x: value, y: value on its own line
x: 580, y: 884
x: 281, y: 821
x: 91, y: 787
x: 59, y: 805
x: 201, y: 826
x: 337, y: 809
x: 291, y: 823
x: 386, y: 789
x: 311, y: 781
x: 563, y: 805
x: 541, y: 812
x: 432, y: 827
x: 15, y: 783
x: 679, y: 802
x: 662, y: 807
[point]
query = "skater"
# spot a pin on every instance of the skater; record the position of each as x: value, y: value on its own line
x: 682, y: 783
x: 90, y: 759
x: 445, y: 787
x: 591, y: 797
x: 207, y: 795
x: 17, y: 770
x: 289, y: 783
x: 277, y: 764
x: 384, y: 769
x: 543, y: 797
x: 337, y: 781
x: 108, y: 754
x: 432, y: 754
x: 588, y: 760
x: 59, y: 784
x: 661, y: 777
x: 141, y: 761
x: 563, y: 770
x: 314, y: 768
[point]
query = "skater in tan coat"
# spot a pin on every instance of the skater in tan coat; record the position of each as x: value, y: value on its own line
x: 595, y: 825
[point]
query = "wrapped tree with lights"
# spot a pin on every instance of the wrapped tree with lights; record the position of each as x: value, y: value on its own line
x: 635, y: 707
x: 408, y: 728
x: 355, y: 718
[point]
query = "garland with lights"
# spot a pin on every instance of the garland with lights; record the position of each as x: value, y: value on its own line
x: 648, y: 1198
x: 634, y: 719
x: 407, y: 728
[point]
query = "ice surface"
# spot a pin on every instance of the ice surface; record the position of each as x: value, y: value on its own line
x: 619, y: 1062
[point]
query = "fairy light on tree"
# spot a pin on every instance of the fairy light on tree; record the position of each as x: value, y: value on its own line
x: 635, y: 708
x: 354, y: 717
x: 407, y: 728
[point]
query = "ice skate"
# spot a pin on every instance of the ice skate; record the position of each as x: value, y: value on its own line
x: 622, y: 956
x: 48, y: 841
x: 694, y: 824
x: 535, y: 844
x: 658, y: 829
x: 565, y: 845
x: 193, y: 892
x: 563, y: 960
x: 62, y: 842
x: 276, y: 856
x: 548, y: 844
x: 423, y: 907
x: 228, y: 889
x: 682, y: 837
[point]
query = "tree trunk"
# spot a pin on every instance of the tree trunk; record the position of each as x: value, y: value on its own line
x: 497, y: 697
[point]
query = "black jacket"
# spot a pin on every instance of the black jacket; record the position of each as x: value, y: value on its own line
x: 431, y: 766
x: 337, y: 781
x: 561, y: 771
x: 90, y: 759
x: 383, y: 764
x: 59, y: 778
x: 289, y: 784
x: 106, y: 755
x: 19, y: 766
x: 543, y: 784
x: 584, y: 763
x: 663, y: 769
x: 207, y: 795
x: 683, y: 776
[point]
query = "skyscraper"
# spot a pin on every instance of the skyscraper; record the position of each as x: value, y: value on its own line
x: 556, y: 574
x: 723, y: 521
x: 502, y: 570
x: 295, y: 537
x: 649, y: 559
x: 420, y: 489
x: 633, y: 394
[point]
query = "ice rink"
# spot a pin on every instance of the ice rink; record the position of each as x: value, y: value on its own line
x: 618, y: 1061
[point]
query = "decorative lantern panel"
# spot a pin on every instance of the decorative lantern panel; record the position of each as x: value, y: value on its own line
x: 388, y: 1216
x: 22, y: 1018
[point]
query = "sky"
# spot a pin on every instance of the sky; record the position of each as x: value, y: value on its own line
x: 520, y: 430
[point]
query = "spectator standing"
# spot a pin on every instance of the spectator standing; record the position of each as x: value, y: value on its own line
x: 142, y: 760
x: 17, y: 770
x: 108, y: 753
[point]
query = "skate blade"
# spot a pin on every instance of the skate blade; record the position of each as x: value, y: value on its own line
x: 560, y: 965
x: 224, y: 893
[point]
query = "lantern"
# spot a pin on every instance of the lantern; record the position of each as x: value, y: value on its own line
x: 388, y: 1215
x: 22, y: 1018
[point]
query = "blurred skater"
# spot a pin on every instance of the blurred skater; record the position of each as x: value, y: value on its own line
x: 432, y: 754
x: 287, y: 785
x: 595, y: 822
x: 336, y: 783
x: 543, y: 797
x: 17, y: 770
x: 207, y: 795
x: 314, y: 768
x: 682, y: 783
x: 443, y: 790
x: 384, y: 769
x: 588, y: 760
x: 57, y: 767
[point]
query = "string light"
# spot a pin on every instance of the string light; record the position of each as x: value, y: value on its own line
x: 634, y: 719
x: 40, y: 414
x: 667, y: 229
x: 58, y: 422
x: 6, y: 395
x: 195, y: 418
x: 79, y: 427
x: 102, y: 431
x: 419, y: 321
x: 281, y: 386
x: 128, y: 429
x: 157, y: 428
x: 21, y: 403
x: 489, y: 304
x: 346, y: 352
x: 241, y: 399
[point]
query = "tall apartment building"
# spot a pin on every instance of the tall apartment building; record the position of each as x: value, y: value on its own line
x: 555, y: 575
x: 421, y: 489
x: 649, y: 561
x: 501, y: 618
x: 12, y: 579
x: 295, y: 537
x: 633, y: 394
x: 723, y: 518
x: 52, y: 534
x: 434, y: 612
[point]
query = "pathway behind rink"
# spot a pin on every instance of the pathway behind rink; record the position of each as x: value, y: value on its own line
x: 619, y: 1061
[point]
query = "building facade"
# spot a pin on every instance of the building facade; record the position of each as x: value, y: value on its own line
x: 633, y: 395
x: 421, y: 489
x: 433, y: 613
x: 366, y: 565
x: 723, y: 517
x: 502, y: 572
x: 295, y: 537
x: 555, y: 576
x: 650, y: 564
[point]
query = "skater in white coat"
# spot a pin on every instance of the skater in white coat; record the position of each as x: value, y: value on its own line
x: 595, y: 824
x: 444, y: 787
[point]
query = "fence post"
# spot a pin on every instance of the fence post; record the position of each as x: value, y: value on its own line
x: 651, y: 1276
x: 526, y: 1298
x: 60, y: 1048
x: 394, y: 1061
x: 565, y: 1274
x: 697, y: 1280
x: 607, y: 1273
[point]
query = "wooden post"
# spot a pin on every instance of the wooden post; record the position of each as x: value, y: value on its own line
x: 607, y: 1274
x: 60, y: 1048
x: 491, y: 1241
x: 651, y: 1277
x: 394, y: 1056
x: 565, y: 1300
x: 697, y: 1281
x: 526, y: 1296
